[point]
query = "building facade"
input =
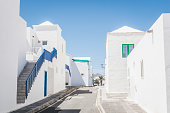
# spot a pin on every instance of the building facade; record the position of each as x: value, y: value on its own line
x: 80, y: 71
x: 137, y: 63
x: 24, y: 50
x: 13, y: 47
x: 148, y: 68
x: 119, y: 44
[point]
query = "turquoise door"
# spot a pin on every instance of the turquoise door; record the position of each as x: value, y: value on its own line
x: 45, y: 84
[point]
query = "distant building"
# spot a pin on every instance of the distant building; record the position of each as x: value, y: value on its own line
x: 80, y: 71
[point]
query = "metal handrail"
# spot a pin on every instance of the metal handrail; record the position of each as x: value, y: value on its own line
x: 68, y: 68
x: 46, y: 55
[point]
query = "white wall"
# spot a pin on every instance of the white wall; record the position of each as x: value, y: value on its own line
x: 37, y: 90
x: 33, y: 40
x: 116, y: 66
x: 13, y: 48
x: 52, y: 34
x: 166, y: 23
x: 68, y: 62
x: 150, y: 91
x: 81, y: 72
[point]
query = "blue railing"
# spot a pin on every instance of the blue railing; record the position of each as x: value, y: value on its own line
x: 46, y: 55
x: 68, y: 68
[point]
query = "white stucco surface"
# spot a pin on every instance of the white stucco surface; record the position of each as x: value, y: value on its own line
x: 151, y: 89
x: 13, y: 48
x: 51, y: 33
x: 116, y: 66
x: 81, y: 72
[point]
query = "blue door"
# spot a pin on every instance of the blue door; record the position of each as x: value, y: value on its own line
x: 45, y: 84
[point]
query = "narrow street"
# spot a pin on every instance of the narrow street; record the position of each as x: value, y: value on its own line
x: 81, y: 101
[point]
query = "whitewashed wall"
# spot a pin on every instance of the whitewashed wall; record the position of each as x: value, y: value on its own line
x: 55, y: 69
x: 13, y: 48
x: 166, y: 23
x: 116, y: 66
x: 81, y: 72
x: 33, y: 40
x: 152, y: 90
x: 68, y: 76
x: 52, y: 34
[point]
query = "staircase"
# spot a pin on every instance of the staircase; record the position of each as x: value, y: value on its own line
x: 28, y: 74
x: 21, y: 81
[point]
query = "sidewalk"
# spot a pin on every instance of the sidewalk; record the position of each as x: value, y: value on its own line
x: 116, y: 103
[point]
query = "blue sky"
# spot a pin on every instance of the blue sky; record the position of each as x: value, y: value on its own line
x: 85, y: 23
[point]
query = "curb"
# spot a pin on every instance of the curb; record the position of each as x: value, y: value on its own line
x: 98, y: 102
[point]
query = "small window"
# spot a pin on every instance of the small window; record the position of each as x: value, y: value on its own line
x: 44, y: 42
x: 142, y: 70
x: 126, y: 49
x: 82, y: 74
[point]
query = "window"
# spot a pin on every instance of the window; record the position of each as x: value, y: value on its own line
x: 44, y: 42
x: 126, y: 49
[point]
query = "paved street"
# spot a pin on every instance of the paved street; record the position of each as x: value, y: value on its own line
x: 81, y: 101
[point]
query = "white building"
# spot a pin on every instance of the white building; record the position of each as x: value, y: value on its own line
x: 49, y: 35
x: 149, y: 68
x: 119, y: 44
x: 23, y: 47
x: 144, y: 72
x: 13, y: 47
x: 80, y: 71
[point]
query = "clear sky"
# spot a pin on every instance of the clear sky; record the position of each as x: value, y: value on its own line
x: 85, y: 23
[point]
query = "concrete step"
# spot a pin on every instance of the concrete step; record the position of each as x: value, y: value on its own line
x: 21, y: 87
x: 20, y: 101
x: 20, y: 94
x: 22, y: 80
x: 20, y: 97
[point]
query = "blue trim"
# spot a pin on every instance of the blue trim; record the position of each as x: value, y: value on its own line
x: 45, y: 84
x: 68, y: 68
x: 46, y: 55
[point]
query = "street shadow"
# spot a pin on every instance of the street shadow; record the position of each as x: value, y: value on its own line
x: 54, y: 110
x: 81, y: 92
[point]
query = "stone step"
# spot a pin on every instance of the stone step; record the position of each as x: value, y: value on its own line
x: 20, y: 101
x: 21, y: 87
x: 21, y: 81
x: 21, y: 94
x: 20, y: 97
